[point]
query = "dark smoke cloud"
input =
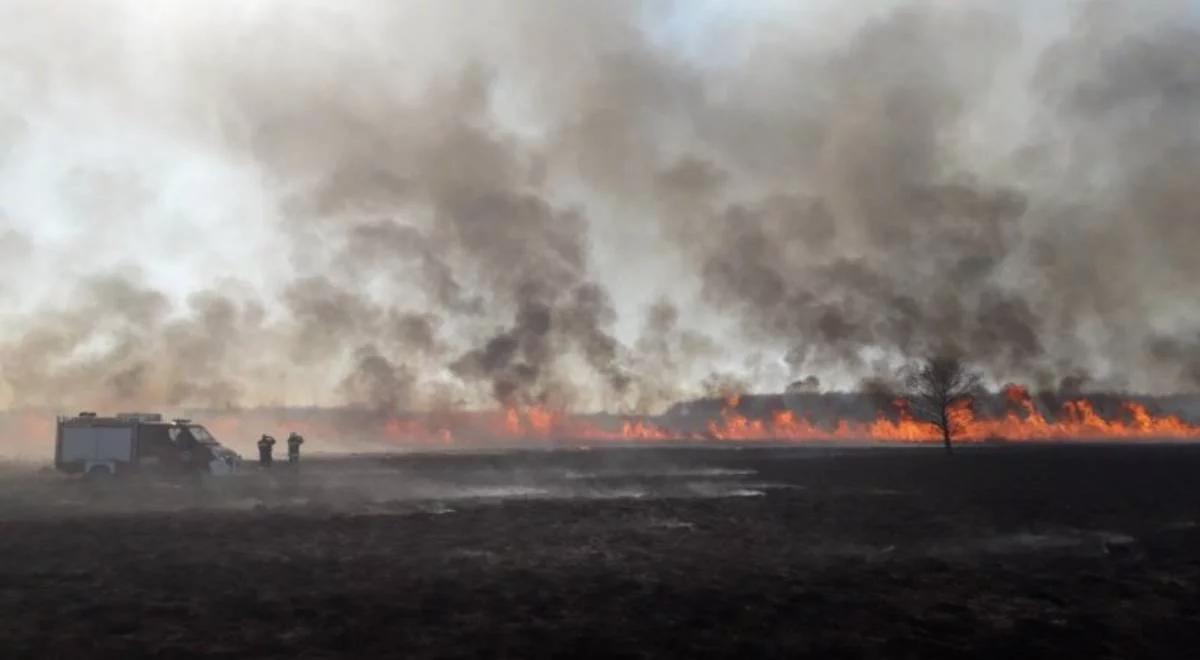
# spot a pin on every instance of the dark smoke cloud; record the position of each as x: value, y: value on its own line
x: 878, y: 182
x: 118, y: 343
x: 1008, y: 269
x: 552, y: 203
x: 375, y: 380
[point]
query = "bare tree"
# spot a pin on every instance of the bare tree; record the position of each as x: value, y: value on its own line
x: 936, y: 387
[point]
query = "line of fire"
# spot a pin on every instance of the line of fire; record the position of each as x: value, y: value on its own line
x: 1011, y: 415
x: 976, y: 416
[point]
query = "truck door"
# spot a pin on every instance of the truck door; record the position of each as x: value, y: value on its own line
x: 154, y: 446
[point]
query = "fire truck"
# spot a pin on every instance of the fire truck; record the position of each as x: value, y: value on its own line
x: 130, y: 443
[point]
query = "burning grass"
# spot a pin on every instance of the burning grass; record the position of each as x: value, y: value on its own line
x: 1021, y: 419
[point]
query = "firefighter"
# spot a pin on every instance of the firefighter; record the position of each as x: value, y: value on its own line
x: 294, y: 442
x: 265, y: 445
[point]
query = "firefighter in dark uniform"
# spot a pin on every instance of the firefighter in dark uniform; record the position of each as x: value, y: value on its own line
x: 294, y: 442
x: 265, y: 445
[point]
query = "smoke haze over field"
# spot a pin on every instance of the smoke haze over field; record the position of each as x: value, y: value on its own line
x: 592, y: 205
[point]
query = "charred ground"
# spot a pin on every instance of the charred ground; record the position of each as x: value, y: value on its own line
x: 1088, y: 550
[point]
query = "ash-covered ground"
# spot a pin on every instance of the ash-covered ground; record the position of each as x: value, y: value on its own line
x: 1016, y: 551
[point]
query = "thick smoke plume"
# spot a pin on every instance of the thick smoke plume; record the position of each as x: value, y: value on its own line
x: 590, y: 205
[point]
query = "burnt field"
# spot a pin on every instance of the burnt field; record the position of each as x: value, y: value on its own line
x: 1000, y: 552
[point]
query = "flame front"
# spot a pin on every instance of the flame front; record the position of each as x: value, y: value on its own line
x: 1076, y: 419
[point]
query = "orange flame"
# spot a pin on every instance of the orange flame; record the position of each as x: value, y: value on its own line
x: 1078, y: 419
x: 1023, y: 420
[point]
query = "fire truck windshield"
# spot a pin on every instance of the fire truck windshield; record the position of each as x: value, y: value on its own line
x: 202, y: 435
x: 198, y: 432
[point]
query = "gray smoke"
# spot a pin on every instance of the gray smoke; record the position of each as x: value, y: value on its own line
x: 402, y: 206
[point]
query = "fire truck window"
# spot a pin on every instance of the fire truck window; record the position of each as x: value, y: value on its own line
x: 178, y: 436
x: 202, y: 435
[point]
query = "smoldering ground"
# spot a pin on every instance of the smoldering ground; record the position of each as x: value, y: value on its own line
x: 874, y: 553
x: 401, y: 206
x: 428, y: 481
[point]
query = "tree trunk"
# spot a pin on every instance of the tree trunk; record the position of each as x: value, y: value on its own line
x: 946, y: 440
